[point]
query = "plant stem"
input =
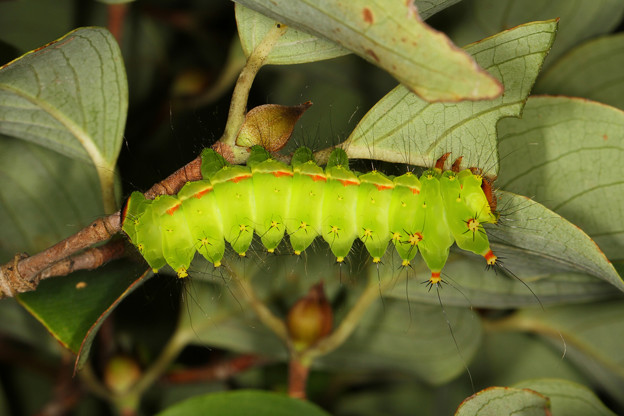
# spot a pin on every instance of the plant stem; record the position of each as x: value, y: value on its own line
x: 265, y: 315
x: 297, y: 377
x: 349, y: 323
x: 169, y: 353
x: 238, y: 105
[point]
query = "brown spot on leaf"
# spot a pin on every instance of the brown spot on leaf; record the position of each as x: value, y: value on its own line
x: 372, y: 54
x: 367, y: 14
x: 605, y: 137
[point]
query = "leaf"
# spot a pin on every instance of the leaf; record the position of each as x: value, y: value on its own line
x: 392, y: 36
x: 130, y: 285
x: 25, y: 23
x: 548, y: 240
x: 566, y: 153
x: 567, y: 398
x: 244, y: 403
x: 297, y: 47
x: 508, y: 357
x: 69, y: 306
x: 70, y: 96
x: 403, y: 128
x: 578, y: 20
x: 505, y: 401
x: 469, y: 284
x: 44, y: 197
x: 592, y: 70
x: 411, y: 339
x: 388, y: 337
x: 592, y: 334
x: 294, y: 47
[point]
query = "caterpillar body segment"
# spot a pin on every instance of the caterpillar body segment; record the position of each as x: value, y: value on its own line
x: 198, y: 203
x: 304, y: 219
x: 425, y: 214
x: 371, y: 213
x: 339, y: 223
x: 405, y: 233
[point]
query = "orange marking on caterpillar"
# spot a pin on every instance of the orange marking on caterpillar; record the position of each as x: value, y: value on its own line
x: 124, y: 212
x: 199, y: 194
x: 490, y: 258
x: 240, y: 178
x: 415, y: 191
x: 347, y: 182
x: 280, y: 173
x: 174, y: 208
x: 384, y: 187
x: 435, y: 278
x: 317, y: 178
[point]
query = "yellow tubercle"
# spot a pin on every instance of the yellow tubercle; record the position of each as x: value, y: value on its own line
x: 339, y: 259
x: 405, y: 263
x: 182, y: 273
x: 217, y: 264
x: 271, y: 250
x: 490, y: 258
x: 298, y: 252
x: 376, y: 260
x: 243, y: 254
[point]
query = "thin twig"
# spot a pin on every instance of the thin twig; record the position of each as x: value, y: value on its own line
x: 220, y: 370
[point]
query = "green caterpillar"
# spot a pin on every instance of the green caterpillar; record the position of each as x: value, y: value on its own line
x: 306, y: 201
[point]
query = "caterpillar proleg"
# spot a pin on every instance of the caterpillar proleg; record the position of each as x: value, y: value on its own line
x: 304, y: 201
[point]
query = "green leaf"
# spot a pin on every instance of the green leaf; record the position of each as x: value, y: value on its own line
x: 18, y: 324
x: 392, y: 36
x: 567, y: 398
x: 393, y: 334
x: 25, y: 23
x: 592, y: 70
x: 71, y: 96
x: 567, y: 154
x: 470, y: 284
x: 508, y: 357
x: 297, y: 47
x: 294, y: 47
x: 244, y: 403
x: 592, y: 334
x: 414, y: 338
x: 531, y: 232
x: 505, y: 401
x: 578, y: 20
x: 44, y: 198
x: 70, y: 306
x: 403, y: 128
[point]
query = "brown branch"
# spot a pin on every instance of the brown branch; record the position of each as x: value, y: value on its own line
x: 216, y: 371
x: 174, y: 182
x: 90, y: 259
x: 297, y: 378
x: 116, y: 17
x: 24, y: 272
